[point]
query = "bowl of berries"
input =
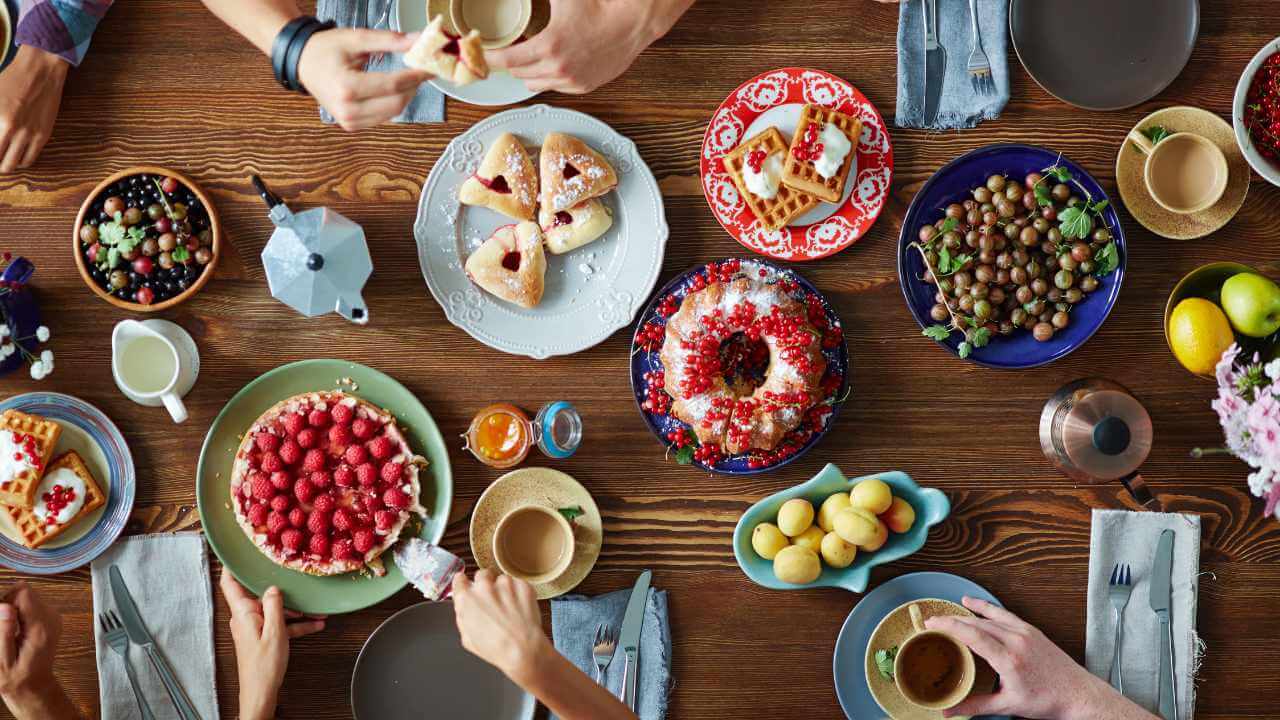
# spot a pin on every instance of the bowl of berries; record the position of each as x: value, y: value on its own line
x: 1255, y: 113
x: 146, y: 239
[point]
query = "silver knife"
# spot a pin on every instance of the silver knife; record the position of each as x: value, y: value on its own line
x: 139, y: 635
x: 629, y: 639
x: 935, y: 62
x: 1161, y: 599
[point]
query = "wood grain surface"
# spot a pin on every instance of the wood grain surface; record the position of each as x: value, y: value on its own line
x: 166, y: 84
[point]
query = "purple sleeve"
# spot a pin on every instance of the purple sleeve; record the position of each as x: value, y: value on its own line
x: 60, y: 27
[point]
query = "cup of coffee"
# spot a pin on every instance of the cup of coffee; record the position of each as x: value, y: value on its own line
x: 1185, y: 172
x: 534, y: 543
x: 499, y: 22
x: 932, y: 669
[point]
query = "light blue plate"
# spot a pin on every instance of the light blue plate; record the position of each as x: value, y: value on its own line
x: 849, y: 663
x: 931, y: 507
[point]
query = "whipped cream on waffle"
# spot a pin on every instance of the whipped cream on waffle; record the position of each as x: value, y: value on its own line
x: 14, y: 455
x: 835, y: 146
x: 67, y: 501
x: 765, y: 182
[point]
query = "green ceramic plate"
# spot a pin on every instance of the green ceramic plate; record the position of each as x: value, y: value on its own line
x: 307, y: 593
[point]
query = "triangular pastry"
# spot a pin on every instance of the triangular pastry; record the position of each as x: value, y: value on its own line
x: 572, y: 173
x: 459, y: 60
x: 570, y: 229
x: 511, y: 264
x: 505, y: 181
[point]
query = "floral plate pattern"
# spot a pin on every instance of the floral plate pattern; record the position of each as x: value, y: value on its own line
x: 870, y: 179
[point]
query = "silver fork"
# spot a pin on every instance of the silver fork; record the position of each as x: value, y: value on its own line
x: 606, y: 643
x: 979, y: 66
x: 118, y: 640
x: 1121, y: 588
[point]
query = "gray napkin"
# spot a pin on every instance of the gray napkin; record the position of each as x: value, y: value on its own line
x: 960, y: 106
x: 168, y: 577
x: 428, y: 105
x: 573, y: 625
x: 1131, y: 537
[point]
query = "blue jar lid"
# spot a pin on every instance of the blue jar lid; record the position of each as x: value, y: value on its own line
x: 557, y: 429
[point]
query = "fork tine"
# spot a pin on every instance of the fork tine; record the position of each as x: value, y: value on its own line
x: 115, y: 619
x: 1127, y: 577
x: 599, y: 633
x: 1115, y: 574
x: 102, y: 621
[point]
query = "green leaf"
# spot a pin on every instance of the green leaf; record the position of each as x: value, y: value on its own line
x: 113, y: 257
x: 937, y: 332
x: 1074, y: 222
x: 1060, y: 173
x: 1107, y: 260
x: 1098, y: 207
x: 944, y: 261
x: 180, y: 253
x: 110, y: 233
x: 965, y: 349
x: 981, y: 337
x: 684, y: 455
x: 1043, y: 199
x: 884, y: 662
x: 948, y: 225
x: 1156, y: 133
x: 570, y: 513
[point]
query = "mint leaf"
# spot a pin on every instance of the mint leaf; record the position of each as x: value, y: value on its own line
x: 1060, y: 173
x: 944, y: 261
x: 1074, y: 222
x: 948, y: 225
x: 570, y: 513
x: 684, y: 455
x: 1107, y: 260
x: 1156, y: 133
x: 965, y: 349
x: 884, y: 662
x: 1043, y: 199
x: 110, y: 233
x: 981, y: 337
x: 180, y: 253
x: 937, y: 332
x: 113, y: 257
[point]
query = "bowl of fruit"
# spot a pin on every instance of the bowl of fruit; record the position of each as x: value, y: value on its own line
x: 146, y: 239
x: 1216, y: 305
x: 831, y: 530
x: 1255, y: 112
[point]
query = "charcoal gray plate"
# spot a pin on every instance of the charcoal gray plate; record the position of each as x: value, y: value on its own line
x: 1104, y: 54
x: 413, y: 666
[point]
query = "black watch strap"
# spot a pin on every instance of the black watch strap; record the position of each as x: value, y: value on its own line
x: 286, y: 49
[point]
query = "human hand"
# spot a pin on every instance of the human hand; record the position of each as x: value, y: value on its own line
x: 261, y: 631
x: 499, y: 622
x: 29, y: 633
x: 30, y: 93
x: 332, y: 69
x: 587, y: 43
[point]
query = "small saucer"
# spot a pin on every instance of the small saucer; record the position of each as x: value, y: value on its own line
x: 553, y: 489
x: 186, y: 345
x: 1137, y: 199
x: 893, y: 631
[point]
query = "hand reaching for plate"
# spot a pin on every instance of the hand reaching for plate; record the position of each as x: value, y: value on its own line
x: 587, y: 43
x: 261, y: 631
x: 332, y: 68
x: 29, y: 633
x: 1037, y: 679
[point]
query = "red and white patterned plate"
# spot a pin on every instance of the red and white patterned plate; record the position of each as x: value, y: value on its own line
x: 829, y: 228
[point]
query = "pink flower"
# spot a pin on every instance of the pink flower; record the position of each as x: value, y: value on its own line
x: 1225, y: 370
x: 1273, y: 499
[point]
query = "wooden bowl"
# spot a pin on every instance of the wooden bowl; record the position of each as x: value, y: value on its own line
x: 215, y: 227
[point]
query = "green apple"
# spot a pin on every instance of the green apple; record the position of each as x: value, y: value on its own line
x: 1252, y: 303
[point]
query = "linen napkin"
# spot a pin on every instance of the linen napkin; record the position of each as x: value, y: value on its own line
x: 960, y: 106
x: 168, y: 577
x: 428, y: 105
x: 573, y: 625
x: 1131, y: 537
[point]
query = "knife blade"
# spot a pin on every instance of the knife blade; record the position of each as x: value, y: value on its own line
x: 629, y: 638
x: 1161, y: 591
x: 935, y: 63
x: 139, y: 635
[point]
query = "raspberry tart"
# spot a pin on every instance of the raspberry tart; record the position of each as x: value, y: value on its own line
x: 571, y: 172
x: 505, y: 182
x: 511, y: 264
x: 324, y: 483
x: 458, y: 59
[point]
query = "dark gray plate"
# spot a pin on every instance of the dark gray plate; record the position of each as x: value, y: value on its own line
x: 1104, y: 54
x: 413, y: 666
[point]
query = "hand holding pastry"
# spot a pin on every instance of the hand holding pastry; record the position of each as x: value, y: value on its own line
x: 261, y: 633
x: 587, y: 43
x: 29, y: 633
x: 332, y: 68
x: 30, y: 93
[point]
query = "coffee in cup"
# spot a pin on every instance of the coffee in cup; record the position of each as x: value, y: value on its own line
x: 533, y: 543
x: 932, y: 669
x: 499, y: 22
x: 1185, y: 173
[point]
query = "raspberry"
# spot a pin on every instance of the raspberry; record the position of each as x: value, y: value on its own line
x: 308, y: 438
x: 260, y: 487
x: 395, y: 498
x: 384, y: 519
x: 356, y: 454
x: 291, y: 539
x: 257, y: 515
x: 340, y: 436
x: 373, y: 503
x: 342, y: 414
x: 324, y: 503
x: 281, y: 503
x: 266, y: 442
x: 392, y: 472
x: 344, y: 476
x: 297, y: 517
x: 281, y: 480
x: 319, y: 545
x: 318, y: 523
x: 381, y: 447
x: 342, y: 520
x: 363, y: 428
x: 271, y: 462
x: 367, y: 474
x: 313, y: 461
x: 293, y: 423
x: 276, y: 523
x: 363, y: 540
x: 343, y: 549
x: 320, y: 479
x: 290, y: 452
x: 318, y: 418
x: 304, y: 490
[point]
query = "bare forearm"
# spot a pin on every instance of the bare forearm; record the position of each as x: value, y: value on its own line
x: 568, y: 692
x: 258, y: 20
x: 664, y: 14
x: 45, y: 700
x: 1103, y: 702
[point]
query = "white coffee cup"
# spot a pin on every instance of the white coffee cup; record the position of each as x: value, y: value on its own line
x: 148, y: 367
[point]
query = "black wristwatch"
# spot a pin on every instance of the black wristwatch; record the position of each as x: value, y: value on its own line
x: 286, y: 49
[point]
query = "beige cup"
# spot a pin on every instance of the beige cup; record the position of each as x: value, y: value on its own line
x: 1185, y: 173
x: 534, y: 543
x: 499, y: 22
x: 932, y: 669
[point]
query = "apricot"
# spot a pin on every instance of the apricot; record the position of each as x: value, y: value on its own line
x: 767, y: 540
x: 856, y: 526
x: 811, y: 538
x: 872, y: 494
x: 831, y: 506
x: 900, y: 516
x: 836, y: 552
x: 795, y: 516
x: 882, y: 536
x: 797, y: 565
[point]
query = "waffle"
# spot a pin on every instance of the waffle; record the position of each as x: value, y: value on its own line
x: 30, y: 530
x: 20, y: 489
x: 801, y: 174
x: 784, y: 207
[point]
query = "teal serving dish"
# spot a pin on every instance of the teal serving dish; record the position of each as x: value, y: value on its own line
x: 931, y: 506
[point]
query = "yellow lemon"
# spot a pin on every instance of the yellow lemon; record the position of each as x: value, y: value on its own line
x: 1199, y: 332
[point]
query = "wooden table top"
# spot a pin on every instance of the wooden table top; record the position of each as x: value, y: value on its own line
x: 165, y: 84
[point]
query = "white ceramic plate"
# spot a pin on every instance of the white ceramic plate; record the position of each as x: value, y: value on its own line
x: 590, y: 292
x: 1264, y: 167
x: 500, y: 88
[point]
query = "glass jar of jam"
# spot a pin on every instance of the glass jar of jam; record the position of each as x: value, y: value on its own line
x: 557, y: 429
x: 501, y: 435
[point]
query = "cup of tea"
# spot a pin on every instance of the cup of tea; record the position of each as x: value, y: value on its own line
x: 933, y: 670
x: 148, y: 367
x: 1185, y: 173
x: 499, y: 22
x: 534, y: 543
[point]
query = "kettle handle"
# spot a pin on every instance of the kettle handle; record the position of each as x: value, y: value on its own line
x: 1137, y: 488
x: 270, y: 198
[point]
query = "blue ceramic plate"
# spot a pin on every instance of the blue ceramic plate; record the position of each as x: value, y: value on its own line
x: 849, y: 662
x: 91, y: 434
x: 931, y: 507
x: 643, y: 362
x: 951, y: 184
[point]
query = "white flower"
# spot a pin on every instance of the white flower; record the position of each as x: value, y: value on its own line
x: 6, y: 350
x: 47, y: 358
x: 37, y: 370
x: 42, y: 334
x: 4, y: 331
x: 1261, y: 481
